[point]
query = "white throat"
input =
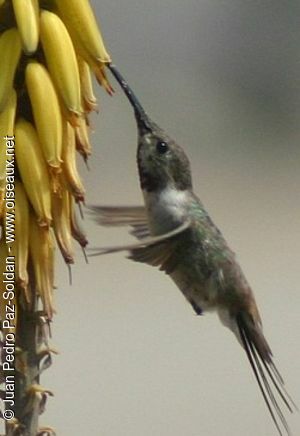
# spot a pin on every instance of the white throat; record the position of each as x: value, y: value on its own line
x: 166, y: 209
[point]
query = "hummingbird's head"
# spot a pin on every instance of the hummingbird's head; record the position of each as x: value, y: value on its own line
x: 161, y: 162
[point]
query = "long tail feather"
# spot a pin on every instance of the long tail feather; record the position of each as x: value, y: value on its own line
x: 267, y: 376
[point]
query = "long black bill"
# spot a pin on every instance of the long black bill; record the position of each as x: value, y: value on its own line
x: 142, y: 119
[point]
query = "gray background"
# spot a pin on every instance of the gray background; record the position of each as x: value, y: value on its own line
x: 222, y: 77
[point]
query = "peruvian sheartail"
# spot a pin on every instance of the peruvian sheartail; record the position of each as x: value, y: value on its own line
x: 177, y: 235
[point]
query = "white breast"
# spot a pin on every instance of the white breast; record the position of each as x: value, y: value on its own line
x: 166, y: 209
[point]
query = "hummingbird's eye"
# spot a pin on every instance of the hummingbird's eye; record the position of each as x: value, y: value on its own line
x: 162, y: 147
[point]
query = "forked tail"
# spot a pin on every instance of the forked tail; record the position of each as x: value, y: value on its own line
x: 269, y: 380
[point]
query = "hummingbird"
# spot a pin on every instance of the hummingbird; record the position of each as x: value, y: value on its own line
x: 176, y: 234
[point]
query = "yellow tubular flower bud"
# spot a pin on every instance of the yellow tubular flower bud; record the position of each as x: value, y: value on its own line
x: 10, y: 52
x: 61, y: 61
x: 83, y: 27
x: 83, y: 144
x: 7, y: 121
x: 102, y: 78
x: 76, y: 230
x: 61, y: 212
x: 47, y: 114
x: 41, y: 247
x: 72, y: 177
x: 27, y: 20
x: 80, y: 21
x: 88, y: 96
x: 33, y: 170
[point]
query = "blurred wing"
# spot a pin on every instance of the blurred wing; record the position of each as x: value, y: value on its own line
x: 133, y: 216
x: 154, y: 250
x: 160, y: 254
